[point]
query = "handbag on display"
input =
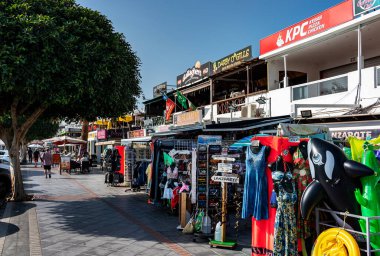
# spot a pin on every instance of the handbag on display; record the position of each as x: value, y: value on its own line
x: 189, y: 228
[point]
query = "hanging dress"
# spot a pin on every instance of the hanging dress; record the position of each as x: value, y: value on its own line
x: 285, y: 229
x: 302, y: 178
x: 255, y: 197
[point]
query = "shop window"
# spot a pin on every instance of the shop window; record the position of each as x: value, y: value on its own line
x: 294, y: 77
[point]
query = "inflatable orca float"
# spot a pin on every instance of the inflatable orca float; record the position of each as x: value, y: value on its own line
x: 335, y: 179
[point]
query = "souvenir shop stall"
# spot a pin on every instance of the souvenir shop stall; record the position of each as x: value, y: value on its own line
x: 137, y: 163
x: 218, y: 193
x: 171, y: 174
x: 301, y: 183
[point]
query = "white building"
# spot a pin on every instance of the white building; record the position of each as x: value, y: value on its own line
x: 328, y: 64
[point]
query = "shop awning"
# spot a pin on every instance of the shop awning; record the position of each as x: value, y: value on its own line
x: 141, y: 139
x: 178, y: 130
x: 247, y: 124
x: 108, y: 142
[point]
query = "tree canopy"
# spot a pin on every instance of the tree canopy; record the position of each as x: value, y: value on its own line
x: 65, y: 58
x: 61, y: 60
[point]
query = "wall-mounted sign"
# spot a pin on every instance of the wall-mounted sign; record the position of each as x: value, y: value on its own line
x: 318, y: 23
x: 92, y: 136
x: 158, y: 90
x: 361, y: 6
x: 162, y: 128
x: 187, y: 118
x: 137, y: 133
x: 209, y: 139
x: 102, y: 134
x: 194, y: 74
x: 232, y: 60
x: 361, y: 134
x: 117, y: 133
x: 227, y: 179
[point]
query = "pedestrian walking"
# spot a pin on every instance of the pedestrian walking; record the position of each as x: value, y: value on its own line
x: 36, y: 156
x: 30, y: 155
x: 47, y: 160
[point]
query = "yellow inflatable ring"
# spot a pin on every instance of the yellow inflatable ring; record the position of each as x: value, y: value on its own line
x: 335, y: 242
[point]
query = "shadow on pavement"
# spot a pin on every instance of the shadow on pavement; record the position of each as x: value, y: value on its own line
x: 124, y: 216
x: 18, y: 208
x: 9, y: 229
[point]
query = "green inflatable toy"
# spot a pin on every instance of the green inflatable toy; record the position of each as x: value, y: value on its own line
x: 369, y: 199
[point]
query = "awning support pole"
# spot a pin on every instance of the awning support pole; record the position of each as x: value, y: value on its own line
x: 285, y: 72
x: 359, y: 61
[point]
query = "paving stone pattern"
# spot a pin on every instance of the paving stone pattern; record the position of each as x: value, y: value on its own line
x: 80, y: 215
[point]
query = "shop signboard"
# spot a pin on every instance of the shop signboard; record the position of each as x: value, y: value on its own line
x: 187, y: 118
x: 137, y: 134
x: 232, y: 60
x: 162, y: 128
x: 194, y: 74
x: 65, y: 163
x: 92, y: 136
x: 160, y: 89
x: 102, y: 134
x: 225, y: 167
x: 364, y: 134
x: 117, y: 133
x: 209, y: 139
x: 362, y: 6
x: 316, y: 24
x: 227, y: 179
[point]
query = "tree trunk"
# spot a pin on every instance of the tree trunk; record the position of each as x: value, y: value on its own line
x: 23, y: 154
x: 84, y: 134
x: 18, y: 192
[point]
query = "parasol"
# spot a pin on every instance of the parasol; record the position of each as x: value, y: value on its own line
x: 66, y: 140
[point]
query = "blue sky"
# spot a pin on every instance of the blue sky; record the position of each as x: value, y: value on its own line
x: 169, y: 36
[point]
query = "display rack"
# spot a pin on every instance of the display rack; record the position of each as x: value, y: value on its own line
x: 136, y: 151
x: 357, y: 234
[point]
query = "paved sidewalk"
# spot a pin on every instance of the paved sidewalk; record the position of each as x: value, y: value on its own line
x: 80, y: 215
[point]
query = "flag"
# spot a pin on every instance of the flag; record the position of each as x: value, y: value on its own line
x: 181, y: 99
x: 168, y: 160
x: 191, y: 105
x: 170, y: 105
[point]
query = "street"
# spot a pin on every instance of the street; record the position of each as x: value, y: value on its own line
x: 80, y: 215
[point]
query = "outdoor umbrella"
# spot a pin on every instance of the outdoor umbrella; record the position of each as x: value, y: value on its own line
x: 34, y: 146
x: 246, y: 141
x: 67, y: 140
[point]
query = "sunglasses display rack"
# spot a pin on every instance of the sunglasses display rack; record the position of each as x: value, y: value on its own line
x: 208, y: 191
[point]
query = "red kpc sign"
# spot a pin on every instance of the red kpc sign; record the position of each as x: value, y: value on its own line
x: 318, y: 23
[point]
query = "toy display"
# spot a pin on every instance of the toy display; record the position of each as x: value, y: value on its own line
x: 335, y: 177
x: 369, y: 198
x: 335, y: 241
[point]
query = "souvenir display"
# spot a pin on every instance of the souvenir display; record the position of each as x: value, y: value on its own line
x: 276, y: 182
x: 335, y: 177
x: 335, y: 241
x: 369, y: 199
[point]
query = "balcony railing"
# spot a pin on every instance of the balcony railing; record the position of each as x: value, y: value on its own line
x: 322, y: 87
x: 224, y: 105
